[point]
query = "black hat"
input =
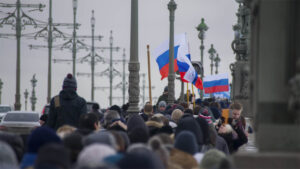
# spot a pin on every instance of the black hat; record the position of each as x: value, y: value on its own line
x: 70, y: 82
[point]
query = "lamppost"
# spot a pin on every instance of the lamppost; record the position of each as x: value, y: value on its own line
x: 212, y: 53
x: 50, y: 32
x: 202, y: 28
x: 18, y: 19
x: 217, y: 61
x: 1, y: 84
x: 75, y: 3
x: 134, y: 65
x: 171, y: 77
x: 26, y: 97
x: 33, y: 98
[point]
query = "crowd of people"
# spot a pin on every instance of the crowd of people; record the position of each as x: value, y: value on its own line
x: 163, y: 136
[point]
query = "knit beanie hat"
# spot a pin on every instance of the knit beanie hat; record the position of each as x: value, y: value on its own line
x: 8, y: 158
x: 93, y: 155
x: 162, y: 104
x: 212, y: 159
x: 70, y: 82
x: 186, y: 141
x: 52, y: 155
x: 41, y: 136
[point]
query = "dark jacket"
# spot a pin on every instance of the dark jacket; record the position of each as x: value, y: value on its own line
x: 70, y: 108
x: 163, y: 97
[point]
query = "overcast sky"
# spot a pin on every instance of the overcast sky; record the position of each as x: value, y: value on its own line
x: 114, y: 15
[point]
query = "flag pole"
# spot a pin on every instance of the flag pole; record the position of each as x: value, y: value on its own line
x: 193, y: 96
x: 187, y: 93
x: 149, y: 75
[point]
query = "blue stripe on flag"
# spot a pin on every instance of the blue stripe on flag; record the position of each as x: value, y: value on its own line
x: 163, y: 59
x: 220, y: 82
x: 182, y: 66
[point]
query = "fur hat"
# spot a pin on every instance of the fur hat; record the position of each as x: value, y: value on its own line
x: 70, y: 82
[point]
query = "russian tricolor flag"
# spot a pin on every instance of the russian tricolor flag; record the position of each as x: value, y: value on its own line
x: 182, y: 60
x: 216, y: 83
x: 162, y: 56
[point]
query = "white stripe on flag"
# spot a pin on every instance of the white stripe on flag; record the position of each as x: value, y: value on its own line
x: 215, y: 77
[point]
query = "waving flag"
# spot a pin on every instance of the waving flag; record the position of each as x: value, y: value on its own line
x: 185, y: 67
x: 162, y: 56
x: 216, y: 83
x: 182, y: 61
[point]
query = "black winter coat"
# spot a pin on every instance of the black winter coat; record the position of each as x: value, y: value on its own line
x: 71, y: 107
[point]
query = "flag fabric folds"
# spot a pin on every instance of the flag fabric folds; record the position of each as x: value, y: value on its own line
x: 216, y: 83
x: 182, y: 61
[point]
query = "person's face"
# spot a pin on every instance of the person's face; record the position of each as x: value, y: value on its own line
x: 222, y: 129
x: 42, y: 122
x: 236, y: 114
x: 162, y: 108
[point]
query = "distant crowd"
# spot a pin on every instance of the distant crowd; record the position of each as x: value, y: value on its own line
x: 162, y: 136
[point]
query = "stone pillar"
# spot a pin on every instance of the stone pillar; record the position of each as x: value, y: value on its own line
x: 171, y: 77
x: 134, y: 65
x: 274, y: 85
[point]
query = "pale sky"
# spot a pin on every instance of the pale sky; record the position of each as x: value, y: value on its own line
x: 114, y: 15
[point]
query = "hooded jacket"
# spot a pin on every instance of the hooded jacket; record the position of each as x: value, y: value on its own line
x: 70, y: 108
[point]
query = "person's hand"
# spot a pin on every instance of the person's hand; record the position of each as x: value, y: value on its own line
x: 119, y: 123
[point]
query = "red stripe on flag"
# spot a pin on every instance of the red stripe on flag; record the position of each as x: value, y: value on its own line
x: 215, y: 89
x: 164, y: 71
x: 199, y: 83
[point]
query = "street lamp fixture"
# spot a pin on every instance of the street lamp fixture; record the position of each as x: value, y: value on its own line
x: 26, y: 93
x: 217, y: 61
x: 202, y: 28
x: 75, y: 3
x: 93, y: 21
x: 212, y: 53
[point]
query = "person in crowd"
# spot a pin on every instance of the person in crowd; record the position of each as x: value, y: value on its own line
x: 176, y: 115
x: 89, y: 121
x: 163, y: 97
x: 233, y: 137
x: 161, y: 107
x: 15, y: 141
x: 43, y: 119
x: 187, y: 122
x: 38, y: 138
x: 148, y: 112
x: 73, y: 142
x: 8, y: 157
x: 137, y: 130
x: 92, y: 156
x: 53, y: 156
x: 214, y: 159
x: 65, y: 130
x: 96, y: 110
x: 67, y: 107
x: 237, y: 119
